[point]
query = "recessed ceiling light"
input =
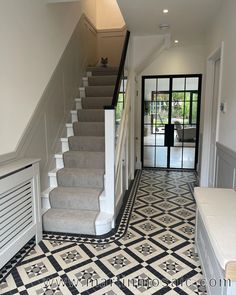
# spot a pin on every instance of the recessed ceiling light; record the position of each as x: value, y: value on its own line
x: 176, y: 41
x: 165, y: 11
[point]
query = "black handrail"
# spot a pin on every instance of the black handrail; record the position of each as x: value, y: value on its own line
x: 120, y: 72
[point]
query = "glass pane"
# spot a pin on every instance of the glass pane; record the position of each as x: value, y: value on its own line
x: 119, y: 110
x: 160, y: 135
x: 178, y: 96
x: 176, y: 157
x: 178, y: 84
x: 149, y: 157
x: 194, y: 112
x: 150, y: 87
x: 195, y: 96
x: 187, y: 96
x: 147, y: 112
x: 186, y: 113
x: 161, y: 157
x: 163, y: 84
x: 186, y: 133
x: 162, y: 110
x: 148, y: 135
x: 192, y: 83
x: 178, y: 128
x: 121, y: 97
x: 125, y: 84
x: 177, y: 112
x: 188, y: 158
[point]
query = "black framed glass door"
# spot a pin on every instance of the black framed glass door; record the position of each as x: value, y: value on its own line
x: 170, y: 121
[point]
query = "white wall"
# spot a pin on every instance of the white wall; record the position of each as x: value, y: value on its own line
x: 145, y: 49
x: 33, y: 37
x: 223, y: 29
x: 109, y: 15
x: 175, y: 60
x: 178, y: 60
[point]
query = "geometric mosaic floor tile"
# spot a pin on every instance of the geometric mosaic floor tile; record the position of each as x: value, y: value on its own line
x: 135, y: 217
x: 112, y: 289
x: 55, y: 245
x: 195, y: 285
x: 69, y: 257
x: 171, y: 268
x: 130, y: 236
x: 101, y: 249
x: 149, y: 211
x: 51, y: 286
x: 167, y: 220
x: 186, y: 230
x: 35, y: 270
x: 119, y: 262
x: 147, y: 227
x: 151, y: 251
x: 166, y: 206
x: 146, y: 250
x: 87, y: 277
x: 7, y: 285
x: 35, y: 252
x: 143, y: 282
x: 188, y: 253
x: 184, y: 213
x: 169, y: 239
x: 150, y: 199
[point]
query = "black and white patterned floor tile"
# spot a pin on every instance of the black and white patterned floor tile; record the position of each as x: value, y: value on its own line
x: 151, y: 251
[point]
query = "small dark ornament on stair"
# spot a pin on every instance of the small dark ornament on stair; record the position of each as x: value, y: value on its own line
x: 103, y: 62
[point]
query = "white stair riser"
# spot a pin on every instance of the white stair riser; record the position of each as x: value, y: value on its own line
x: 104, y: 228
x: 59, y: 163
x: 78, y: 104
x: 85, y: 81
x: 64, y: 146
x: 53, y: 180
x: 103, y: 201
x: 82, y: 92
x: 74, y: 116
x: 69, y: 131
x: 45, y: 203
x: 89, y: 74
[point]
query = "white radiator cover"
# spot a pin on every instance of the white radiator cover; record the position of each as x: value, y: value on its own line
x: 20, y: 207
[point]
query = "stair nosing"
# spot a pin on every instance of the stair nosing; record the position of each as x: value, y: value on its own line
x: 53, y: 172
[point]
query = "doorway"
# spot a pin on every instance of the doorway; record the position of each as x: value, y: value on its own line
x: 170, y: 121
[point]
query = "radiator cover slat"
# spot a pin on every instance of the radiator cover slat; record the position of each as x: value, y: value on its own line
x: 20, y: 208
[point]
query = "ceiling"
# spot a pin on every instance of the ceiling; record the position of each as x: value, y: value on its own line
x: 188, y: 19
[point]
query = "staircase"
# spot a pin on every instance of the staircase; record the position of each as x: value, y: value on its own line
x: 76, y: 194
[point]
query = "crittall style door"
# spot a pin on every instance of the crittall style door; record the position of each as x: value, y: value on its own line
x: 170, y: 121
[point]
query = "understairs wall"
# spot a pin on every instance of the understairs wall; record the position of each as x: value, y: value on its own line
x: 34, y: 36
x: 41, y: 137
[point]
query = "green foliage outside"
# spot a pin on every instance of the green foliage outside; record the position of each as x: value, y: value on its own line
x: 119, y: 107
x: 180, y: 110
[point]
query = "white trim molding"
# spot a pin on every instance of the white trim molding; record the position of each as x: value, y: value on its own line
x: 205, y: 160
x: 225, y: 167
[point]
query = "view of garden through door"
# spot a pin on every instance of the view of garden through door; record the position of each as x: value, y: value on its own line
x: 170, y: 121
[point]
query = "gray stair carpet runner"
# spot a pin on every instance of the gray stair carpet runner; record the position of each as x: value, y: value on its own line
x: 75, y: 202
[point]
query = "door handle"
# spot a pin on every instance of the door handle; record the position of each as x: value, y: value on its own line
x: 169, y: 135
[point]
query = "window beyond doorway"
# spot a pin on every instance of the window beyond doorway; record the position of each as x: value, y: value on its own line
x: 170, y: 121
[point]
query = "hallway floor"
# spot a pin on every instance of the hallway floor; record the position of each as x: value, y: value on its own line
x: 151, y: 251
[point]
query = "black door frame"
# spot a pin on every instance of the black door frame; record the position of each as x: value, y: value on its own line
x: 171, y: 77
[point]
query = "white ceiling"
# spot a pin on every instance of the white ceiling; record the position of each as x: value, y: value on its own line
x: 188, y: 19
